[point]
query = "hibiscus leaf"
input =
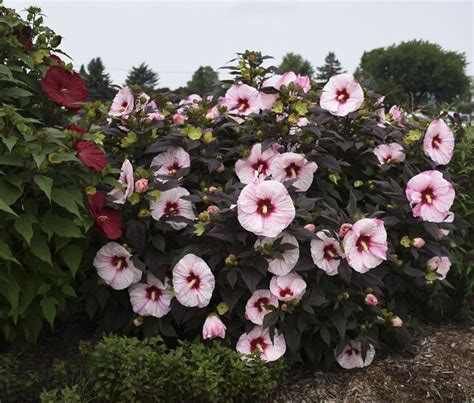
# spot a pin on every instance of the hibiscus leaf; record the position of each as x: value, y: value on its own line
x: 63, y: 198
x: 45, y: 184
x: 72, y: 256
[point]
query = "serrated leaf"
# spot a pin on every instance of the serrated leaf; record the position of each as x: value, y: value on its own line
x: 72, y: 256
x: 6, y: 253
x: 63, y: 198
x: 11, y: 160
x: 4, y: 207
x: 40, y: 248
x: 62, y: 226
x: 45, y: 184
x: 48, y: 306
x: 23, y: 226
x: 15, y: 92
x: 10, y: 142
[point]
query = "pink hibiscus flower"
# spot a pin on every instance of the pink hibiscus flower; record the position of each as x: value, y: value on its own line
x: 365, y: 246
x: 430, y: 196
x: 193, y: 281
x: 242, y: 100
x: 326, y: 253
x: 121, y: 195
x: 283, y: 262
x: 265, y: 208
x: 123, y: 103
x: 171, y: 161
x: 342, y: 95
x: 172, y: 205
x: 257, y: 163
x: 277, y: 81
x: 288, y: 166
x: 213, y: 327
x: 397, y: 115
x: 151, y: 299
x: 440, y: 264
x: 387, y: 153
x: 288, y: 288
x: 351, y: 356
x: 114, y: 265
x: 256, y: 307
x: 258, y: 340
x: 438, y: 143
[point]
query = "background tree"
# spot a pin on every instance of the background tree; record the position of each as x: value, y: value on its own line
x: 142, y: 76
x: 97, y: 81
x: 203, y: 81
x: 331, y: 67
x: 416, y: 70
x: 294, y: 62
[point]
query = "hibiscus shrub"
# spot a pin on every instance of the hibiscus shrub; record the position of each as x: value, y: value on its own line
x: 280, y: 216
x: 43, y: 210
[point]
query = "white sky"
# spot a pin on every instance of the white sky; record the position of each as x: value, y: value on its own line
x: 175, y: 38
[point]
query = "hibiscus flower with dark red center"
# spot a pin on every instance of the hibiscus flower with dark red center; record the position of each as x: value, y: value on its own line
x: 65, y: 88
x: 107, y: 220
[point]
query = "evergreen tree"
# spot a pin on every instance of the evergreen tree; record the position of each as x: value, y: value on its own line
x: 97, y: 81
x: 142, y: 76
x: 331, y: 67
x: 203, y: 81
x: 294, y: 62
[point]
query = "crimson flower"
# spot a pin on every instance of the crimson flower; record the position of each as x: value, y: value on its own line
x: 91, y: 155
x: 65, y: 88
x: 107, y: 220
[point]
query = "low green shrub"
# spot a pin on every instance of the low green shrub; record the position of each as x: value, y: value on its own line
x: 13, y: 380
x: 127, y: 369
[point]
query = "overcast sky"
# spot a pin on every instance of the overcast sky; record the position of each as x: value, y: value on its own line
x: 175, y: 38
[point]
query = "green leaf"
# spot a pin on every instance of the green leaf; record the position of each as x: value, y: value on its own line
x: 68, y: 290
x: 12, y: 160
x: 4, y: 207
x: 45, y: 184
x: 23, y: 226
x: 9, y: 192
x: 5, y: 71
x: 39, y: 158
x: 11, y: 291
x: 15, y: 92
x: 62, y: 226
x: 48, y: 305
x: 63, y: 198
x: 40, y: 248
x: 301, y: 108
x: 10, y: 142
x: 43, y: 288
x: 6, y: 253
x: 72, y: 256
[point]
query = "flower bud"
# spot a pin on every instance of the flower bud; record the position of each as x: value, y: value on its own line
x: 310, y: 227
x: 213, y: 327
x: 141, y: 185
x: 178, y: 119
x: 345, y: 228
x: 144, y: 213
x: 213, y: 209
x: 231, y: 260
x: 397, y: 322
x: 371, y: 299
x: 418, y: 242
x: 220, y: 168
x: 204, y: 216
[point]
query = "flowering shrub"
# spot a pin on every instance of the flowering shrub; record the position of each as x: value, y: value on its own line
x: 285, y: 218
x: 46, y: 160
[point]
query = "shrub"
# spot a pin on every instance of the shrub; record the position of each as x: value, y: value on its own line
x: 13, y: 381
x: 127, y: 369
x: 343, y: 184
x: 43, y: 216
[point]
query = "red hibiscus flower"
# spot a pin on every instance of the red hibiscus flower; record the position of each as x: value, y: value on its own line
x: 64, y: 88
x: 77, y: 129
x: 107, y: 220
x: 91, y: 155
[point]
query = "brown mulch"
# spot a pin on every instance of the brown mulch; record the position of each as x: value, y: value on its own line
x: 441, y: 370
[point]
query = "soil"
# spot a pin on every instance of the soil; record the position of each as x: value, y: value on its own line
x: 442, y: 370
